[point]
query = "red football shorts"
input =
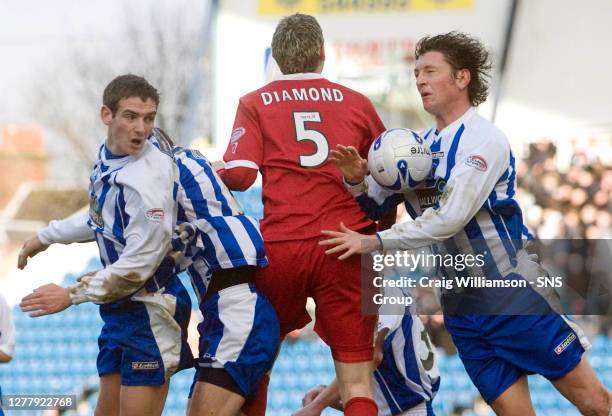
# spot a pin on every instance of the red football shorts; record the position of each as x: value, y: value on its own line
x: 299, y: 269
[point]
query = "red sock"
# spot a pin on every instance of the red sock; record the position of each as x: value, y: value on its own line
x: 360, y: 406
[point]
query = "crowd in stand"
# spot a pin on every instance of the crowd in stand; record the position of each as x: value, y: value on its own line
x: 571, y: 201
x: 565, y: 194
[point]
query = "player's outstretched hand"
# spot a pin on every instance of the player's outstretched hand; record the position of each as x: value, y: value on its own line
x: 354, y: 168
x: 312, y: 394
x: 46, y: 300
x: 30, y: 248
x: 306, y: 411
x: 182, y: 237
x: 348, y: 241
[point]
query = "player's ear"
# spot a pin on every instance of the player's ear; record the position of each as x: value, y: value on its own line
x: 106, y: 115
x: 463, y: 77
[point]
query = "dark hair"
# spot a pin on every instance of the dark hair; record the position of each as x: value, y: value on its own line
x: 125, y: 86
x: 462, y: 52
x: 296, y: 44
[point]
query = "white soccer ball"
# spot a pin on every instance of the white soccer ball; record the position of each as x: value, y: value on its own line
x: 398, y: 160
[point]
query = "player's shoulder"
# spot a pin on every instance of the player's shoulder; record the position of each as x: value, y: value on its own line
x: 152, y: 167
x: 190, y: 158
x: 480, y: 130
x: 150, y: 155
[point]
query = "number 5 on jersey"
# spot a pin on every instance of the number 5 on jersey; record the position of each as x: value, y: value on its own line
x: 320, y: 141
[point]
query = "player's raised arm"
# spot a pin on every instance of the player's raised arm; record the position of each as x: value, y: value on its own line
x: 150, y: 208
x: 73, y: 229
x: 373, y: 199
x: 468, y: 188
x: 354, y: 168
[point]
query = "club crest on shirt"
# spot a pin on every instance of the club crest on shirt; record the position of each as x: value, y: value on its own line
x: 155, y: 214
x: 95, y: 211
x: 236, y: 135
x: 477, y: 162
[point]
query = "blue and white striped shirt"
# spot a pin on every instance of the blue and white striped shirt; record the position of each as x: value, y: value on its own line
x: 131, y: 217
x: 408, y: 374
x: 227, y: 238
x: 467, y: 204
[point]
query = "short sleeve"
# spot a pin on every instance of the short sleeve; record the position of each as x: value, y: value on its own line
x: 245, y: 148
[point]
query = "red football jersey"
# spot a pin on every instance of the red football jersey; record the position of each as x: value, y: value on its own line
x: 286, y: 129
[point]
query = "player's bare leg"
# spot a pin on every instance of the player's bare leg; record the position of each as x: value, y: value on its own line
x: 515, y: 400
x: 212, y: 400
x: 143, y: 400
x: 582, y: 387
x: 108, y: 397
x: 355, y: 380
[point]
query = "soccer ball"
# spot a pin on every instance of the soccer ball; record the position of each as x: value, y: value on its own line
x: 398, y: 160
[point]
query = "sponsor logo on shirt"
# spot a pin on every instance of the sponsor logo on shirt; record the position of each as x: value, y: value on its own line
x: 145, y: 365
x: 430, y: 196
x: 477, y: 162
x: 155, y: 214
x: 236, y: 135
x: 565, y: 343
x: 418, y: 150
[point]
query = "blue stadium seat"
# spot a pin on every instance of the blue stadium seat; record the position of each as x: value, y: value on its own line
x: 57, y: 354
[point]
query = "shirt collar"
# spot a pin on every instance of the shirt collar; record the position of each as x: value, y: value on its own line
x: 455, y: 124
x: 304, y: 75
x: 109, y: 155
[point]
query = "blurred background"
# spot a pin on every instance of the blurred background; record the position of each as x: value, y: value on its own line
x: 549, y: 93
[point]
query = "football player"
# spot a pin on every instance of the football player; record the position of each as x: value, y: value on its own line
x: 239, y: 336
x: 285, y: 130
x: 132, y: 214
x: 406, y: 376
x: 501, y: 334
